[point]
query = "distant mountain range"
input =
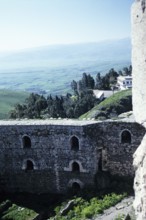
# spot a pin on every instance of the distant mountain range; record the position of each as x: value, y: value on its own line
x: 52, y: 68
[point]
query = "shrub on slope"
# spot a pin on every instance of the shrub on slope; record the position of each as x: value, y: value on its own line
x: 111, y: 107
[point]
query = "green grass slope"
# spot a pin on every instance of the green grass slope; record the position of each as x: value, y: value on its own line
x: 114, y: 105
x: 8, y: 99
x: 10, y: 211
x: 81, y: 208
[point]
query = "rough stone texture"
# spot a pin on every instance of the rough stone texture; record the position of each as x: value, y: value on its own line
x: 139, y: 101
x: 139, y: 59
x: 100, y: 149
x: 140, y: 181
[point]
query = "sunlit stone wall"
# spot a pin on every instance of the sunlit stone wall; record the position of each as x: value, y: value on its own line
x: 139, y: 101
x: 139, y: 59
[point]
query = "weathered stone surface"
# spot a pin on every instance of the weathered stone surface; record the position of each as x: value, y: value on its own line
x: 139, y: 101
x: 139, y: 60
x: 52, y: 157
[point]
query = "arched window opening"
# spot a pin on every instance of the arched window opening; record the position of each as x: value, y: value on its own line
x: 126, y: 137
x: 26, y: 142
x: 76, y: 187
x: 29, y: 165
x: 74, y: 143
x: 75, y: 167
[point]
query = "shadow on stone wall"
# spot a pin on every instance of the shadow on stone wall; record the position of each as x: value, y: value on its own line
x: 106, y: 182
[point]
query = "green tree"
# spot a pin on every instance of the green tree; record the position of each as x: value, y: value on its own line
x: 74, y: 86
x: 98, y: 81
x: 91, y: 82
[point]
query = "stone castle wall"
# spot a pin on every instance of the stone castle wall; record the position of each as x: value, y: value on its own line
x: 57, y: 165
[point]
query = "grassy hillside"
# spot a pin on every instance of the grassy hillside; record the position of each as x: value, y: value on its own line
x: 116, y: 104
x: 8, y: 99
x: 80, y: 208
x: 10, y: 211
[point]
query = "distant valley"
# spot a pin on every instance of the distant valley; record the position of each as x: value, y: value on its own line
x: 51, y: 69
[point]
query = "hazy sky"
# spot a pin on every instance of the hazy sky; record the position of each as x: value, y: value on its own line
x: 31, y: 23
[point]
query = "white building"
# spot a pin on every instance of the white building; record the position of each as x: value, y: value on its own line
x: 124, y: 82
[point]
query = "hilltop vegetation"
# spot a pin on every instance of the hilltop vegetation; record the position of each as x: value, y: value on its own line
x: 70, y: 105
x: 8, y: 99
x: 111, y: 107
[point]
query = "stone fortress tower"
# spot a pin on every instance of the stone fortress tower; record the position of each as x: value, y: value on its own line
x: 139, y: 101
